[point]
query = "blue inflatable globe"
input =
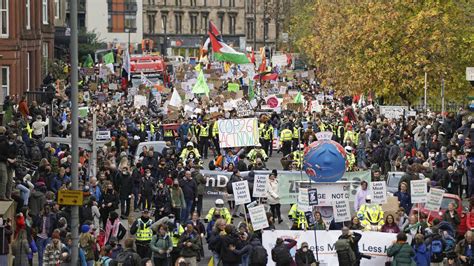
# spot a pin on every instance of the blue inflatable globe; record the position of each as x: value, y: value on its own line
x: 325, y: 161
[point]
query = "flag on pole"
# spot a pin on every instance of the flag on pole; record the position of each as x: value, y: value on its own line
x: 201, y: 86
x: 233, y: 87
x: 89, y: 62
x: 222, y: 51
x: 126, y: 63
x: 109, y: 58
x: 298, y: 98
x: 263, y: 64
x: 176, y: 100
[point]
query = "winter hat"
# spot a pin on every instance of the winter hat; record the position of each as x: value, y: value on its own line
x: 85, y: 228
x: 169, y: 181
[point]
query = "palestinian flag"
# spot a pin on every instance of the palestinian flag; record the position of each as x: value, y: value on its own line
x: 223, y: 52
x: 266, y: 76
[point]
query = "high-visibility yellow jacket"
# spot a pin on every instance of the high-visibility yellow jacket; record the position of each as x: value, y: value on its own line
x: 253, y: 154
x: 175, y: 234
x: 186, y: 152
x: 298, y: 217
x: 371, y: 215
x: 352, y: 136
x: 350, y: 157
x: 204, y: 132
x: 215, y: 130
x: 298, y: 157
x: 268, y: 133
x: 224, y: 213
x: 286, y: 135
x: 296, y: 132
x: 261, y: 127
x: 144, y: 232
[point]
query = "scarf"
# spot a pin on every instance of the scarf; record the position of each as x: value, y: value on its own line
x: 111, y: 229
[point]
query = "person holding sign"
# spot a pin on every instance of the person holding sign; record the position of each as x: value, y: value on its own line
x: 451, y: 216
x: 404, y: 197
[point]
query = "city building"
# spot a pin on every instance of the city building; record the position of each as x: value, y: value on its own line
x: 116, y: 22
x: 264, y: 23
x: 26, y: 44
x: 179, y: 27
x: 62, y: 31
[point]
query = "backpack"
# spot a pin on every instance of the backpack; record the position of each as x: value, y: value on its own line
x: 281, y: 255
x: 123, y: 259
x: 259, y: 256
x: 345, y: 254
x: 436, y: 249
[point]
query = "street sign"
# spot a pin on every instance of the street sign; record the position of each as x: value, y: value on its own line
x: 313, y: 196
x: 70, y: 197
x: 470, y: 73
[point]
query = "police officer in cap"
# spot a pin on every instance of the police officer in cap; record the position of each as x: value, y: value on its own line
x: 141, y: 228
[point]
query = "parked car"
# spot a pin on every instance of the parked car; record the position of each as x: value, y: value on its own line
x: 393, y: 180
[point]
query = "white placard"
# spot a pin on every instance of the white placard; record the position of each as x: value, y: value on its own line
x: 470, y: 73
x: 139, y: 101
x: 258, y: 217
x: 325, y: 135
x: 103, y: 135
x: 374, y: 244
x: 279, y: 60
x: 419, y: 191
x: 241, y: 192
x: 341, y: 211
x: 435, y: 197
x: 329, y: 192
x: 316, y: 107
x: 379, y: 192
x: 260, y: 186
x: 303, y: 200
x: 238, y: 132
x: 393, y: 112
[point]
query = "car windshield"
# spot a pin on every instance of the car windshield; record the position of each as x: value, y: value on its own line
x: 394, y: 180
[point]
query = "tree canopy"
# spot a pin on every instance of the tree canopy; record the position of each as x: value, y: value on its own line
x: 386, y: 46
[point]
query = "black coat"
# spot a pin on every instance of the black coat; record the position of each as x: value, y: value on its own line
x: 125, y: 185
x: 227, y: 256
x: 113, y: 198
x: 189, y: 188
x: 304, y: 258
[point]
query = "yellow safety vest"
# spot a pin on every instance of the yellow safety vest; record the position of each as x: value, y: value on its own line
x: 296, y: 132
x: 261, y: 128
x: 142, y: 127
x: 286, y: 135
x: 298, y: 157
x: 29, y: 130
x: 298, y: 217
x: 145, y: 233
x: 215, y: 130
x: 152, y: 128
x: 268, y: 134
x: 169, y: 133
x: 204, y: 131
x: 225, y: 214
x: 175, y: 235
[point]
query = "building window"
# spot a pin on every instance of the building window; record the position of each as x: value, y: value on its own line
x: 221, y: 23
x: 178, y: 18
x: 193, y: 2
x: 265, y: 29
x: 151, y: 2
x: 194, y: 24
x: 57, y: 9
x: 204, y: 3
x: 4, y: 16
x: 231, y: 3
x: 231, y: 24
x: 164, y: 24
x: 45, y: 11
x: 122, y: 15
x: 204, y: 23
x: 250, y: 29
x: 45, y: 56
x: 28, y: 14
x: 221, y: 2
x: 178, y: 2
x: 28, y: 54
x: 5, y: 81
x: 151, y: 24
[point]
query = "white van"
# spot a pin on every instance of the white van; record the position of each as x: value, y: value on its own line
x: 158, y: 146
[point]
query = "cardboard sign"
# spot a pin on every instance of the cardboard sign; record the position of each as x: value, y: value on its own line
x: 341, y: 211
x: 244, y: 108
x: 329, y: 192
x: 103, y: 135
x: 241, y: 192
x: 419, y: 191
x: 303, y: 200
x: 139, y: 101
x: 379, y: 192
x: 238, y: 132
x: 313, y: 197
x: 260, y: 186
x: 258, y: 217
x: 435, y: 197
x: 393, y: 112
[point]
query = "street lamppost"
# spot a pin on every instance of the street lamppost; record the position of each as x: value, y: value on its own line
x: 127, y: 30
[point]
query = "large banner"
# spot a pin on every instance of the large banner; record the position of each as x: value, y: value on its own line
x: 374, y: 244
x: 287, y: 183
x: 238, y: 132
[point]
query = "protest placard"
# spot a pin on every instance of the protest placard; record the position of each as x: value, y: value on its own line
x: 393, y: 112
x: 241, y: 192
x: 316, y: 107
x: 328, y: 192
x: 260, y: 186
x: 379, y: 192
x: 341, y: 211
x: 419, y: 191
x: 83, y: 112
x: 258, y: 217
x: 244, y: 109
x: 139, y: 101
x: 303, y: 200
x: 279, y: 60
x: 435, y: 197
x: 313, y: 197
x: 238, y: 132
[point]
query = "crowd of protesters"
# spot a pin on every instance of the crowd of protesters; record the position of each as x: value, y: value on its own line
x: 167, y: 188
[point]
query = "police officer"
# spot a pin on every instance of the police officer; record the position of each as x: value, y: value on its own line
x: 175, y: 230
x: 257, y: 152
x: 298, y: 217
x: 350, y: 158
x: 215, y: 137
x: 220, y: 210
x: 286, y: 136
x: 298, y: 157
x: 204, y: 138
x: 141, y: 228
x: 190, y: 152
x: 371, y: 215
x: 268, y: 139
x: 296, y: 135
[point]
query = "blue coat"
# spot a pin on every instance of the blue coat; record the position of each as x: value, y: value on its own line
x: 422, y: 255
x: 405, y: 200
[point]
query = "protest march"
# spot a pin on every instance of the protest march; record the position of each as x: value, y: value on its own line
x: 232, y: 159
